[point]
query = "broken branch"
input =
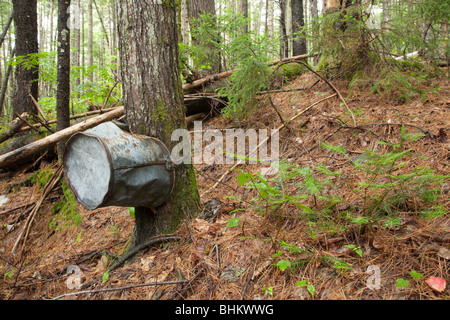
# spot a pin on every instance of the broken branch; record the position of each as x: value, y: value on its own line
x: 14, y: 127
x: 122, y: 288
x: 211, y: 78
x: 266, y: 140
x: 32, y: 148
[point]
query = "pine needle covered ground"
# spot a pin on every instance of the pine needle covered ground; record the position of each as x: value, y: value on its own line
x: 354, y: 199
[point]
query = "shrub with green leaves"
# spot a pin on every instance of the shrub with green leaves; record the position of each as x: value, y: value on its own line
x: 351, y: 50
x: 248, y: 52
x: 293, y: 185
x: 387, y: 185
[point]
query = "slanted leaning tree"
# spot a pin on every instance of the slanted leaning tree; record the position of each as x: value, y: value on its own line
x: 153, y: 100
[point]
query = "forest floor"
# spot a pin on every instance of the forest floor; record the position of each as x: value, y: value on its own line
x: 337, y: 258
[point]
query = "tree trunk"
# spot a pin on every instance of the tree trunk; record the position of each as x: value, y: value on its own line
x: 83, y: 46
x: 386, y: 14
x: 6, y: 27
x: 199, y: 7
x: 90, y: 39
x: 26, y: 34
x: 63, y: 75
x: 76, y: 29
x: 270, y: 29
x: 284, y: 49
x: 298, y: 21
x: 270, y: 7
x: 153, y: 99
x: 5, y: 82
x: 185, y: 27
x: 244, y: 12
x: 288, y: 23
x: 313, y: 15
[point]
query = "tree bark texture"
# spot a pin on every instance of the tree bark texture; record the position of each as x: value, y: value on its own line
x: 26, y: 34
x: 153, y: 100
x: 284, y: 48
x: 244, y: 12
x: 63, y: 74
x: 298, y: 21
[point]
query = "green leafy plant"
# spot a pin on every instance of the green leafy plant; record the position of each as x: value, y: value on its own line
x: 247, y: 52
x: 415, y: 274
x: 274, y: 191
x: 383, y: 189
x: 303, y: 283
x: 105, y: 276
x: 268, y: 291
x: 283, y: 264
x: 356, y: 249
x: 9, y: 274
x: 402, y: 283
x: 234, y: 222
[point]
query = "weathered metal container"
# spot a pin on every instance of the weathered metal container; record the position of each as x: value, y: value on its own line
x: 106, y: 166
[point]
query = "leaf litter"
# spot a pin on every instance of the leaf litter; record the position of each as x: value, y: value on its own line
x: 240, y: 262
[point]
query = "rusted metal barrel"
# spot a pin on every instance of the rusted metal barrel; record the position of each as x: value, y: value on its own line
x: 106, y: 166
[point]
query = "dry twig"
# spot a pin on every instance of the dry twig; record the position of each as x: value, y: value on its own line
x: 47, y: 189
x: 266, y: 140
x: 122, y: 288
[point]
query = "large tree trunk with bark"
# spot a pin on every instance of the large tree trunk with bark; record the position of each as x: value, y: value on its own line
x: 63, y: 75
x: 298, y: 21
x: 153, y: 99
x: 26, y: 34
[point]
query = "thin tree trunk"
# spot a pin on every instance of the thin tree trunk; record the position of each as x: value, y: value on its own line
x: 386, y: 14
x: 105, y: 31
x: 185, y: 27
x: 63, y: 75
x: 314, y: 14
x: 76, y: 29
x: 244, y: 12
x: 284, y: 49
x: 83, y: 42
x: 153, y: 99
x: 5, y: 82
x: 6, y: 27
x: 51, y: 40
x: 270, y: 20
x: 288, y: 22
x: 90, y: 39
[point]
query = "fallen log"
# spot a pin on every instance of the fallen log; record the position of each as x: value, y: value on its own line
x: 13, y: 128
x: 9, y: 159
x: 22, y: 140
x: 214, y: 77
x: 194, y: 105
x: 77, y: 116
